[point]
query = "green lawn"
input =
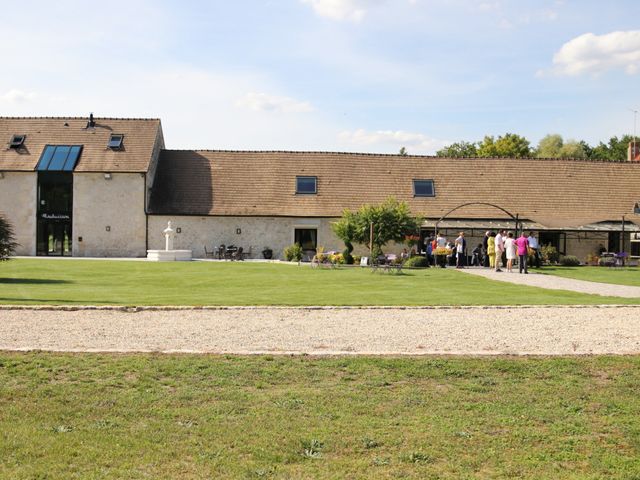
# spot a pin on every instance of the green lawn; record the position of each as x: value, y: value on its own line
x: 96, y: 282
x: 617, y: 276
x: 169, y: 416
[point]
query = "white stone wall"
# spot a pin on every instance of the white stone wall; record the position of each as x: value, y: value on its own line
x: 255, y: 233
x: 118, y: 204
x: 18, y: 198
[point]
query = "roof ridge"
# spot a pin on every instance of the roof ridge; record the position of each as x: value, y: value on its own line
x: 325, y: 152
x: 2, y: 117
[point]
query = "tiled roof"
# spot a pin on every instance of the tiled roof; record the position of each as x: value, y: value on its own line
x: 567, y: 192
x: 139, y: 138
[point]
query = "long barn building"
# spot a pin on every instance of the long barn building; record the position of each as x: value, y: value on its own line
x: 106, y: 187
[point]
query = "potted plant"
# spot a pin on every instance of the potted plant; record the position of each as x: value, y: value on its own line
x: 267, y: 253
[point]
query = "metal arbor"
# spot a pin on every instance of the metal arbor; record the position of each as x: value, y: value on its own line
x: 513, y: 217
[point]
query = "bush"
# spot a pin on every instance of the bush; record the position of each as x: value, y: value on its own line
x: 549, y: 254
x: 416, y: 262
x: 337, y: 259
x: 569, y: 261
x: 356, y: 259
x: 293, y: 253
x: 7, y: 244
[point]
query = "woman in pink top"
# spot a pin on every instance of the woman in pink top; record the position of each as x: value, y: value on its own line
x: 523, y: 251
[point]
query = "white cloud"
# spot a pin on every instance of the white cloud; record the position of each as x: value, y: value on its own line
x: 262, y: 102
x: 18, y: 96
x: 353, y: 10
x: 414, y: 142
x: 595, y: 54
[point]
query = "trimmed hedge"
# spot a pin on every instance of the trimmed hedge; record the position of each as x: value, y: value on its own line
x: 416, y: 262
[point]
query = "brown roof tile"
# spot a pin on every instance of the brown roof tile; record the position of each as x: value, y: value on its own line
x: 139, y: 138
x: 263, y: 183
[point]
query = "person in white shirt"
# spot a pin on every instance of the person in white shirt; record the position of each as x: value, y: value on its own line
x: 535, y: 246
x: 499, y: 249
x: 510, y: 248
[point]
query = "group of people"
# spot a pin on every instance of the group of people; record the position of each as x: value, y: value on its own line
x: 489, y: 253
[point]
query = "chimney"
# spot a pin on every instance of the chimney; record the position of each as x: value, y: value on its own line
x: 91, y: 123
x: 633, y: 154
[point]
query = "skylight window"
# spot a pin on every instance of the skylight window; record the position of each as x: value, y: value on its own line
x: 306, y: 185
x: 59, y: 158
x: 17, y: 141
x: 115, y: 141
x: 423, y: 188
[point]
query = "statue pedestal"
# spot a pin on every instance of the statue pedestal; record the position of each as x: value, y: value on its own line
x: 169, y: 255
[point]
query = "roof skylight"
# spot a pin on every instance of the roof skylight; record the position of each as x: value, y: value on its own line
x: 115, y: 141
x: 17, y: 141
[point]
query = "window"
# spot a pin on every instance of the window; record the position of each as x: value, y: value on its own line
x: 307, y: 238
x: 307, y: 185
x: 115, y: 141
x: 59, y: 158
x: 423, y: 188
x: 17, y: 141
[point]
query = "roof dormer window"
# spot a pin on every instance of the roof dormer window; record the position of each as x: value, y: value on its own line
x: 17, y: 141
x: 116, y: 141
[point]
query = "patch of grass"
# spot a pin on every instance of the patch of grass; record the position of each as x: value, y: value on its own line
x: 92, y: 282
x: 174, y: 416
x: 617, y: 276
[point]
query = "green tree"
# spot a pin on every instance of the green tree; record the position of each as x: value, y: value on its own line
x: 553, y: 146
x: 549, y: 146
x: 392, y: 221
x: 459, y: 149
x: 508, y: 145
x: 7, y: 243
x: 615, y: 149
x: 572, y: 149
x: 403, y: 152
x: 345, y: 230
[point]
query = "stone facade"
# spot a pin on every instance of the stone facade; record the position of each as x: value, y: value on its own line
x: 18, y: 202
x: 255, y: 233
x: 109, y: 215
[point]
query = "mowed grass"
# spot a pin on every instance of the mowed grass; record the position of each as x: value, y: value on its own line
x: 618, y: 276
x: 168, y: 416
x: 99, y: 282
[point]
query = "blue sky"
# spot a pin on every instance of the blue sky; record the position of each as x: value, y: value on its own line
x: 337, y: 75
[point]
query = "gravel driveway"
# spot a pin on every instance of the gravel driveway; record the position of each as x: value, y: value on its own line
x: 322, y: 331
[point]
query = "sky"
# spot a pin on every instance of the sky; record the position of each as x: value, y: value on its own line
x: 329, y: 75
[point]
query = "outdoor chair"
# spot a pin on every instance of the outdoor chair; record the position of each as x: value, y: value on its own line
x: 209, y: 253
x: 237, y: 255
x: 221, y: 251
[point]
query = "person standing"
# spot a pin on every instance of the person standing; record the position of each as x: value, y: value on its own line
x: 510, y: 247
x: 533, y: 245
x: 491, y: 249
x: 499, y: 241
x: 461, y: 249
x: 523, y: 251
x: 486, y: 261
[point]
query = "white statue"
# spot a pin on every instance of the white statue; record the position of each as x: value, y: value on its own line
x: 168, y: 237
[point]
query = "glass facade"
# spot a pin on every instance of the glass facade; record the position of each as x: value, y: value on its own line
x: 55, y: 207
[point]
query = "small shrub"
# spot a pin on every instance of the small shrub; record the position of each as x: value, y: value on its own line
x: 416, y: 262
x: 549, y: 254
x: 356, y: 259
x: 337, y: 259
x: 293, y: 253
x: 7, y: 243
x: 570, y: 261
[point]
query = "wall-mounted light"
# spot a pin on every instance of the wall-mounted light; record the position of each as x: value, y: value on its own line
x: 79, y: 239
x: 107, y: 228
x: 178, y: 230
x: 238, y: 231
x: 107, y: 176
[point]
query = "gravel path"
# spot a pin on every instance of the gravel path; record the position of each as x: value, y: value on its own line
x: 322, y: 331
x: 557, y: 283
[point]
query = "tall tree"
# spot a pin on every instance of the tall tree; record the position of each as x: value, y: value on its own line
x: 615, y: 149
x: 549, y: 146
x: 508, y: 145
x: 7, y: 243
x: 403, y: 152
x: 459, y: 149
